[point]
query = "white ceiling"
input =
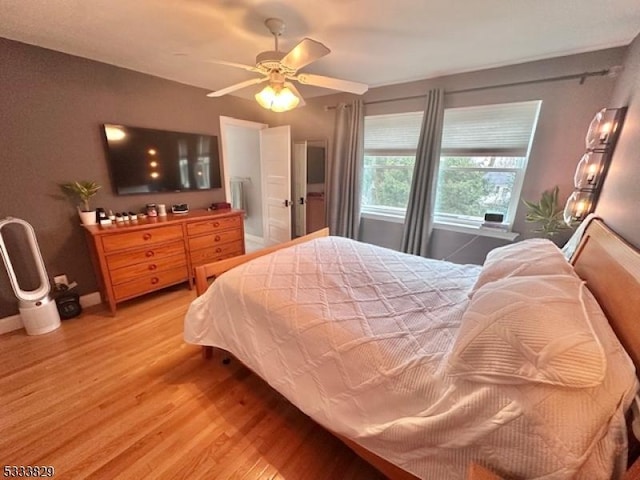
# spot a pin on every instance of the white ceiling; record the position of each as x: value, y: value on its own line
x: 378, y: 42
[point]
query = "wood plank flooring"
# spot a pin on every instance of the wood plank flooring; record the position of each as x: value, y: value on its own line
x: 125, y: 397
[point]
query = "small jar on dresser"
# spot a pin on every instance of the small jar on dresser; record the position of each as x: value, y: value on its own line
x: 138, y: 257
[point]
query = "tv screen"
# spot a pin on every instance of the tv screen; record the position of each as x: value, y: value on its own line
x: 143, y: 160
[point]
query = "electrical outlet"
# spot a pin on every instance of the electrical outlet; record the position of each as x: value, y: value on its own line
x: 60, y: 280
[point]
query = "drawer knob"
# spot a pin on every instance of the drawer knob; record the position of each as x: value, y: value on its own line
x: 150, y: 253
x: 216, y: 224
x: 153, y: 266
x: 146, y: 236
x: 154, y: 280
x: 218, y: 250
x: 217, y: 238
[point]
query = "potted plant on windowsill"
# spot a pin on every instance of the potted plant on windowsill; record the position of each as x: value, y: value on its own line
x: 547, y: 213
x: 82, y: 191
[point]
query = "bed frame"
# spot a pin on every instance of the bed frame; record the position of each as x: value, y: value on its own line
x: 610, y: 267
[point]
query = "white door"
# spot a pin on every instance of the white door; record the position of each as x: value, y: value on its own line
x: 275, y: 153
x: 300, y: 187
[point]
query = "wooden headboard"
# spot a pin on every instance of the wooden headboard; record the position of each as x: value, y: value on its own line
x: 611, y: 268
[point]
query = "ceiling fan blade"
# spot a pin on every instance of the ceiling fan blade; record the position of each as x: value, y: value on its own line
x: 248, y: 68
x: 237, y: 86
x: 304, y: 53
x: 332, y: 83
x: 293, y: 88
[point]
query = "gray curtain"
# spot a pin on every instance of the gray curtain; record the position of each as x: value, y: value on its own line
x: 345, y: 171
x: 419, y: 220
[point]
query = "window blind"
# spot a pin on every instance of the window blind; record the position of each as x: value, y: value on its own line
x: 394, y: 134
x: 487, y: 130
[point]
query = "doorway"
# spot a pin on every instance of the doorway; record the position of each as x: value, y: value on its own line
x: 309, y: 185
x: 257, y: 178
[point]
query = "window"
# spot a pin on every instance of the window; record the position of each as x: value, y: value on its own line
x: 483, y: 160
x: 390, y: 143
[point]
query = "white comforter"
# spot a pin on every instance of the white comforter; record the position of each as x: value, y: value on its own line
x: 357, y: 337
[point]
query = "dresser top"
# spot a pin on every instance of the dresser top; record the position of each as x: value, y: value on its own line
x: 170, y: 219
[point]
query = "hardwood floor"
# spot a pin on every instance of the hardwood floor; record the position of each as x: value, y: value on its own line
x: 125, y: 397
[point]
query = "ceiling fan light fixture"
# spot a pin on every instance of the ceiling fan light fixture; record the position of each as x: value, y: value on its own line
x: 279, y: 68
x: 277, y: 99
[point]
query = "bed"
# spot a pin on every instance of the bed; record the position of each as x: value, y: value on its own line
x: 396, y: 354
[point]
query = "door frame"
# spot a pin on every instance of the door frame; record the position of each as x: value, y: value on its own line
x: 299, y: 173
x: 224, y: 123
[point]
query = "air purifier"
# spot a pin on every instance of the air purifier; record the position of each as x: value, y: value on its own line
x: 38, y: 310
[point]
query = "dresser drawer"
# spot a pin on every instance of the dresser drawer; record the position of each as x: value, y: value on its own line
x: 215, y: 253
x: 210, y: 226
x: 149, y: 283
x: 204, y: 241
x: 137, y: 258
x: 126, y: 259
x: 150, y: 236
x: 132, y: 272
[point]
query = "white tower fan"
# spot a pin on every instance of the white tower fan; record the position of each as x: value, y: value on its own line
x: 38, y: 310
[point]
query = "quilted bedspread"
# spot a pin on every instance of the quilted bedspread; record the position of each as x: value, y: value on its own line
x: 358, y: 336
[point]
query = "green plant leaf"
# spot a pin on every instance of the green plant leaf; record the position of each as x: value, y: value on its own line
x: 547, y: 213
x: 82, y: 190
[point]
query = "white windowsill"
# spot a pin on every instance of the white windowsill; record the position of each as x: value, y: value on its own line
x: 383, y: 217
x: 473, y: 230
x: 452, y: 227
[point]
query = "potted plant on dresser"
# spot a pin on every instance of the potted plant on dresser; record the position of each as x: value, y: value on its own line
x: 82, y: 191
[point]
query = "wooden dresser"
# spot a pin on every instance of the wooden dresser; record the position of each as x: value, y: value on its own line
x: 138, y: 257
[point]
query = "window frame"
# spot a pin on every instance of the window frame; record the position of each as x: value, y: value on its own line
x: 459, y: 222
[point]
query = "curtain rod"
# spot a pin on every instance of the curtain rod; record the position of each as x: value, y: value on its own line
x: 582, y: 76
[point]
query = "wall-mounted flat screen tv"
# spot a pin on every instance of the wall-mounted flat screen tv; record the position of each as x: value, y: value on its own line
x: 143, y: 160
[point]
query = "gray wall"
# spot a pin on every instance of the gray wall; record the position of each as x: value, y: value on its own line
x: 51, y: 108
x: 567, y: 110
x: 381, y: 232
x: 620, y: 197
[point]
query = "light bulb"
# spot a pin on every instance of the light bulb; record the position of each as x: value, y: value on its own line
x: 578, y: 205
x: 284, y: 100
x: 277, y: 99
x: 588, y: 171
x: 604, y: 132
x: 266, y: 96
x: 602, y: 127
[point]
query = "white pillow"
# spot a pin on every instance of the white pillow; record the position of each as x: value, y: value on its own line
x: 535, y: 256
x: 530, y: 329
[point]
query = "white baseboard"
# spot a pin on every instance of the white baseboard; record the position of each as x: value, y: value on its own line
x: 9, y: 324
x: 254, y: 239
x: 14, y: 322
x: 90, y: 299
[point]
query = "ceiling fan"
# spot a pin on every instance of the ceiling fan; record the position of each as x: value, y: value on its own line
x: 278, y: 68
